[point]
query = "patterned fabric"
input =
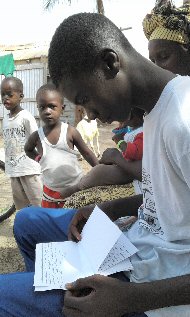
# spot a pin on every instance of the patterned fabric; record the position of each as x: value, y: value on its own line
x: 167, y: 22
x: 51, y: 198
x: 98, y: 194
x: 134, y: 150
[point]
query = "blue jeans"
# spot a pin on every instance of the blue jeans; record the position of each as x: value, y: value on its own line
x: 17, y: 296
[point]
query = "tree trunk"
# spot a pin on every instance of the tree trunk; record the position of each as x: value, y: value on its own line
x: 100, y: 6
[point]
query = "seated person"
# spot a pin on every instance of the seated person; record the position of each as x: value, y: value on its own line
x: 107, y: 69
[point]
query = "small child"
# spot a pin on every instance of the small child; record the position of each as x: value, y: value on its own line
x: 55, y: 143
x: 17, y: 126
x: 122, y: 128
x: 131, y: 145
x: 131, y: 142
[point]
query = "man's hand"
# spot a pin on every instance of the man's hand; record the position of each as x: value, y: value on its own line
x: 78, y: 222
x: 98, y: 296
x: 110, y: 156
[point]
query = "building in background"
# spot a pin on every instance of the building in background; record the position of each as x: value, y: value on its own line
x: 32, y: 68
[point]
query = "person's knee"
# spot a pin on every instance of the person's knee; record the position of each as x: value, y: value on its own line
x: 24, y: 220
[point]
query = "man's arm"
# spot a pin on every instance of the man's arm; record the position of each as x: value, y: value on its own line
x: 113, y: 156
x: 168, y: 292
x: 113, y: 209
x: 122, y: 207
x: 105, y: 296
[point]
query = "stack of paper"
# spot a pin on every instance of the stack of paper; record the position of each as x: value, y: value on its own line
x: 104, y: 249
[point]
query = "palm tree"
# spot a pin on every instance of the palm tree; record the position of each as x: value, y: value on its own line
x: 48, y: 4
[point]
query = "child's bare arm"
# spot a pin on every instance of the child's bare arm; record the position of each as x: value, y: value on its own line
x: 120, y: 137
x: 88, y: 155
x: 132, y: 168
x: 31, y: 145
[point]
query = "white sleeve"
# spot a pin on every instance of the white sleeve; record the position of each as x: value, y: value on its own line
x: 30, y: 124
x: 184, y: 165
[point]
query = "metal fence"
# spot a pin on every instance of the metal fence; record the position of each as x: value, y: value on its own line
x: 33, y: 76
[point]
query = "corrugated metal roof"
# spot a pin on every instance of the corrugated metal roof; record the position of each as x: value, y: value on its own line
x: 25, y: 51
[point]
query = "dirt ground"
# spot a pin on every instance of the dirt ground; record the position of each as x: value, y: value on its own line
x: 10, y: 259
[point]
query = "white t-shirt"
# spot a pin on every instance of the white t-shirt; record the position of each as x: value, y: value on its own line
x: 16, y: 131
x: 162, y: 232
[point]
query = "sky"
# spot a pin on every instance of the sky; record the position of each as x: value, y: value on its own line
x: 26, y: 21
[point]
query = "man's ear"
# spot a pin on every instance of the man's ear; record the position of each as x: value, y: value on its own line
x: 111, y: 62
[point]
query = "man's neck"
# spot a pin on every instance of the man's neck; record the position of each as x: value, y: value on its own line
x: 156, y: 93
x: 149, y: 82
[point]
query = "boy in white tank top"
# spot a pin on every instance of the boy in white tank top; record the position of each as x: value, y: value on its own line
x: 55, y: 152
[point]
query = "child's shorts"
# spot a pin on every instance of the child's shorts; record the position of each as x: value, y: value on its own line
x: 51, y: 198
x: 27, y: 190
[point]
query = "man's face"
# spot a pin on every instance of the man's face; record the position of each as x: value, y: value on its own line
x: 170, y: 55
x: 105, y: 99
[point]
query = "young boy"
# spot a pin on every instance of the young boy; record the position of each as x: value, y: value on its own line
x: 131, y: 143
x: 17, y: 127
x: 55, y: 143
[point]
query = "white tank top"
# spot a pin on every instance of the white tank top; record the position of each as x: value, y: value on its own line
x: 59, y: 164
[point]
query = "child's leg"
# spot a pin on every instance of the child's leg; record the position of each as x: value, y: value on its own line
x: 101, y: 175
x: 19, y: 197
x: 34, y: 225
x: 33, y: 188
x: 97, y: 143
x: 68, y: 191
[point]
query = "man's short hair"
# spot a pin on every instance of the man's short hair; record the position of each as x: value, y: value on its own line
x: 78, y: 41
